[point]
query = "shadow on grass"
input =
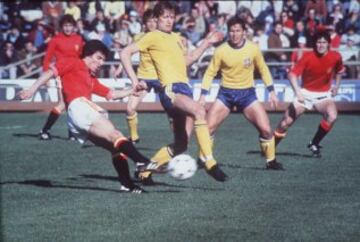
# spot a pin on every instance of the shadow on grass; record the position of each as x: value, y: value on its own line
x: 36, y: 136
x: 256, y: 152
x: 51, y: 184
x: 163, y: 184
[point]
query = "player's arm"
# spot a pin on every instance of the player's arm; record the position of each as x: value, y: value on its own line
x: 28, y: 93
x: 212, y: 38
x: 335, y: 89
x: 125, y: 57
x: 266, y: 77
x: 119, y: 94
x: 295, y: 73
x: 293, y: 78
x: 339, y: 69
x: 50, y: 52
x: 209, y: 75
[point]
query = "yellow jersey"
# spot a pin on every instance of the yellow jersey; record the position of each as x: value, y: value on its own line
x: 168, y: 55
x: 146, y: 69
x: 237, y: 66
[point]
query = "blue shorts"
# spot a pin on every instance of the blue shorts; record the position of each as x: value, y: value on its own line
x: 167, y: 94
x: 152, y: 84
x: 239, y: 98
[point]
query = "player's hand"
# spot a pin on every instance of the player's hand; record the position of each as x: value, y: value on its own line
x: 141, y: 86
x: 214, y: 37
x: 25, y: 94
x: 202, y: 101
x: 300, y: 97
x: 334, y: 91
x: 274, y: 101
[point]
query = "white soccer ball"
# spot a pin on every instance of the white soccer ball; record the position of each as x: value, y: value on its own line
x: 182, y: 167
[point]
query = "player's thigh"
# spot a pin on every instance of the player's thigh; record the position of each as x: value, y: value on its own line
x: 216, y: 115
x: 104, y: 129
x: 256, y: 114
x: 328, y: 109
x: 134, y: 102
x: 188, y: 105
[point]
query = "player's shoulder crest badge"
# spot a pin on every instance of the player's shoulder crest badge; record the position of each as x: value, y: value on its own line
x: 247, y: 62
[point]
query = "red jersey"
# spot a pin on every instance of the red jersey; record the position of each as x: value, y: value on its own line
x: 63, y: 46
x: 317, y: 71
x: 77, y: 81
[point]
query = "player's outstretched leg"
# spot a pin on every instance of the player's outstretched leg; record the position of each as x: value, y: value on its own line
x: 51, y: 120
x: 122, y: 168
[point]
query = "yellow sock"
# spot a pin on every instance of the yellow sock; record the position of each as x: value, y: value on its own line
x: 268, y: 148
x: 201, y: 155
x: 204, y: 141
x: 161, y: 157
x: 132, y: 122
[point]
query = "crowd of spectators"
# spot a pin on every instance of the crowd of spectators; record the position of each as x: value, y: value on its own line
x: 27, y: 27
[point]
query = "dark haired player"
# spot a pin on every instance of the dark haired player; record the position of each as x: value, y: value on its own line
x: 317, y: 69
x: 86, y: 120
x: 236, y: 61
x: 63, y: 45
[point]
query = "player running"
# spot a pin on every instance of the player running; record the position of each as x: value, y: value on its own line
x: 63, y: 45
x: 171, y: 60
x: 236, y: 61
x: 145, y: 72
x: 86, y: 120
x: 317, y: 69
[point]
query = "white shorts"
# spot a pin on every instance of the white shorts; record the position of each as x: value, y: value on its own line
x: 81, y: 114
x: 312, y: 98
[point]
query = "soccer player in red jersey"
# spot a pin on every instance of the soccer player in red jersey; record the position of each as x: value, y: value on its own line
x: 86, y: 120
x: 317, y: 69
x: 63, y: 45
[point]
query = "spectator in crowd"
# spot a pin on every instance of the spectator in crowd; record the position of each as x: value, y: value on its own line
x: 81, y: 29
x: 277, y: 40
x: 353, y: 21
x: 100, y: 19
x: 227, y: 7
x: 261, y: 38
x: 7, y: 56
x: 287, y: 23
x: 73, y: 10
x: 334, y: 37
x: 190, y: 32
x: 101, y: 34
x: 40, y: 35
x: 300, y: 51
x: 221, y: 25
x: 351, y: 33
x: 113, y: 11
x: 354, y: 6
x: 349, y: 52
x: 293, y: 9
x: 311, y: 24
x: 319, y: 10
x: 336, y: 18
x: 31, y: 64
x: 134, y: 24
x: 300, y: 31
x: 52, y: 10
x: 277, y: 8
x: 92, y: 8
x: 122, y: 36
x: 15, y: 37
x: 115, y: 70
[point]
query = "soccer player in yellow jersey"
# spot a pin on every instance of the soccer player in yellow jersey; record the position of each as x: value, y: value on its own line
x: 171, y: 60
x: 236, y: 60
x: 146, y: 72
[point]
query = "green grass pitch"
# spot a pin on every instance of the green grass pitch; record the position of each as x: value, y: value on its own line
x: 60, y: 191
